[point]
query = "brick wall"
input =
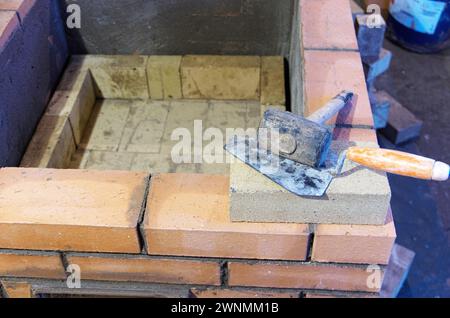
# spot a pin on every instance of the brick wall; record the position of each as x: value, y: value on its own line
x: 171, y: 234
x: 159, y: 27
x: 173, y: 229
x: 226, y: 27
x: 33, y: 52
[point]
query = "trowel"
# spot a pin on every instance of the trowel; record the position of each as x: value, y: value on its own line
x: 294, y: 152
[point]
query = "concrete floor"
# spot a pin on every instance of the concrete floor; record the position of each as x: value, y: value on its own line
x: 421, y: 209
x: 137, y: 134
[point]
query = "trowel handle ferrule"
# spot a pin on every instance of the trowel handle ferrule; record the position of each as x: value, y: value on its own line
x: 400, y: 163
x: 332, y: 108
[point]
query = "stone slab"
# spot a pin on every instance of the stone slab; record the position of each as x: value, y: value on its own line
x: 182, y: 114
x: 106, y: 125
x: 144, y: 127
x: 164, y: 78
x: 153, y: 163
x: 105, y: 160
x: 120, y: 82
x: 113, y: 135
x: 227, y: 114
x: 116, y: 76
x: 52, y: 144
x: 76, y: 103
x: 221, y: 77
x: 272, y: 81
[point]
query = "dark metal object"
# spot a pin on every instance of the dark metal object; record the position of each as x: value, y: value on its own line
x: 297, y: 178
x: 300, y: 140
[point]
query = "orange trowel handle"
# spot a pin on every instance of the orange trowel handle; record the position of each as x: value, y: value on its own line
x: 401, y: 163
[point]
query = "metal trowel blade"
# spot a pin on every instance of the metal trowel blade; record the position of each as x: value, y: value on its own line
x: 297, y: 178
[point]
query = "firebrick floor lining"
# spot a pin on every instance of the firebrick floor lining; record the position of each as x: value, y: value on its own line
x: 137, y: 134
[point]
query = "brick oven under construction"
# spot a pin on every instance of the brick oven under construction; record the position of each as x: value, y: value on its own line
x: 88, y: 184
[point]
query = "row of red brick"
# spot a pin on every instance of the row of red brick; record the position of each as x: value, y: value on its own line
x: 331, y: 59
x: 192, y: 271
x: 182, y: 215
x: 12, y: 12
x: 29, y: 288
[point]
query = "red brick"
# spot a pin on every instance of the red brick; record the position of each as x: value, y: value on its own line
x: 327, y: 73
x: 188, y: 215
x: 306, y: 275
x: 9, y: 23
x: 16, y: 289
x: 363, y: 244
x: 71, y: 210
x: 13, y: 5
x: 327, y: 24
x: 25, y: 8
x: 22, y: 7
x: 355, y: 135
x: 47, y: 265
x: 237, y: 293
x: 146, y: 269
x: 272, y: 81
x: 52, y: 144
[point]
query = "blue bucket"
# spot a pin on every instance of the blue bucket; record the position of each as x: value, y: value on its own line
x: 420, y: 25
